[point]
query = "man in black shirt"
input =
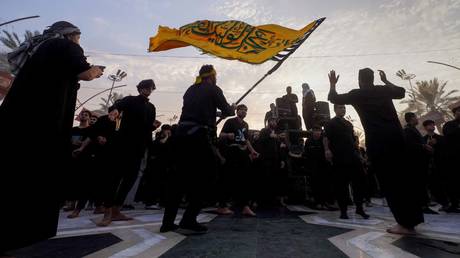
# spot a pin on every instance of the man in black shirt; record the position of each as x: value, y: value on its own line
x: 48, y: 81
x: 436, y: 166
x: 293, y: 100
x: 418, y: 152
x: 451, y: 131
x: 195, y: 156
x: 273, y: 113
x: 385, y: 144
x: 136, y: 117
x: 342, y: 151
x: 238, y: 153
x: 79, y: 165
x: 315, y: 161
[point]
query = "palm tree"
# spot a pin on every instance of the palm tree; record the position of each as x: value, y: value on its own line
x: 105, y: 107
x: 12, y: 41
x: 431, y: 96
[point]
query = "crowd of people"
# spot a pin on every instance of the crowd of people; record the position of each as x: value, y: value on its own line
x: 191, y: 165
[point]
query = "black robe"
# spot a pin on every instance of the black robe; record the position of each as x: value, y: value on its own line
x: 35, y: 122
x: 386, y: 147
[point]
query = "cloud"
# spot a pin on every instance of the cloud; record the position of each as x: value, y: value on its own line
x: 393, y: 30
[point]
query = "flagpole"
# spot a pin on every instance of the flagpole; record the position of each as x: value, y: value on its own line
x: 280, y: 58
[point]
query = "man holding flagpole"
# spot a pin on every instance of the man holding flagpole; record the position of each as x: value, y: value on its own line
x: 195, y: 154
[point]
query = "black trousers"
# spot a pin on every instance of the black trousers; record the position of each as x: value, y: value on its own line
x: 397, y: 181
x: 194, y: 170
x: 237, y: 167
x: 347, y: 174
x: 121, y: 173
x: 91, y: 183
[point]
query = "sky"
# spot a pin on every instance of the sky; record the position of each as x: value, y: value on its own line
x: 387, y: 34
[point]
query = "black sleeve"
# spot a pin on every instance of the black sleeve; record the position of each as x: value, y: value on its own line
x: 121, y: 104
x: 222, y: 104
x: 227, y: 128
x: 390, y: 91
x: 343, y: 99
x: 246, y: 132
x: 75, y: 59
x: 412, y: 140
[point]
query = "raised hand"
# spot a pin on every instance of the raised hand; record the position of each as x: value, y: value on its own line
x: 383, y: 76
x: 333, y: 78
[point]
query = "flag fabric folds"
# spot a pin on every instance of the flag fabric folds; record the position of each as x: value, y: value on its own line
x: 234, y: 40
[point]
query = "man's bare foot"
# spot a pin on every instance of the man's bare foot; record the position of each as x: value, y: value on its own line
x: 75, y: 213
x: 107, y: 219
x: 118, y: 216
x: 224, y: 211
x: 400, y: 230
x: 99, y: 210
x: 104, y: 222
x: 248, y: 212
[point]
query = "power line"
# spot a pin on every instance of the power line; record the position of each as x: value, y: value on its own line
x: 293, y: 57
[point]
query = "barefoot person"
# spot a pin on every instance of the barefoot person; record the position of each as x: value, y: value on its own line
x: 385, y: 143
x: 137, y: 117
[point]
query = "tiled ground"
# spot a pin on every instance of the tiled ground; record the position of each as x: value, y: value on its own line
x: 293, y: 232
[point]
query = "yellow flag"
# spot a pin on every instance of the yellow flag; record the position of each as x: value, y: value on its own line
x: 232, y: 39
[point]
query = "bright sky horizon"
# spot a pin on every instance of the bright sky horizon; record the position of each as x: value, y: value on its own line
x: 387, y: 34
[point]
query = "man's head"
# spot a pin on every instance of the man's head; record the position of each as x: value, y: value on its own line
x: 272, y: 122
x: 411, y: 118
x: 67, y: 29
x: 366, y: 78
x: 272, y: 106
x: 93, y: 119
x: 288, y: 89
x: 340, y: 110
x: 166, y: 130
x: 145, y: 87
x: 317, y: 132
x: 207, y: 74
x: 429, y: 126
x: 456, y: 111
x: 241, y: 111
x: 84, y: 116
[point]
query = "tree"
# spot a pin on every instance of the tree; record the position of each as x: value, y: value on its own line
x: 12, y: 41
x: 115, y: 96
x: 431, y: 96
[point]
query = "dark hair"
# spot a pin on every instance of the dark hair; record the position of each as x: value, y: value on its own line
x: 206, y: 69
x: 408, y: 116
x: 166, y: 127
x: 86, y: 111
x: 455, y: 109
x: 428, y: 122
x: 366, y: 76
x: 317, y: 128
x: 241, y: 106
x: 64, y: 28
x: 148, y: 83
x: 337, y: 105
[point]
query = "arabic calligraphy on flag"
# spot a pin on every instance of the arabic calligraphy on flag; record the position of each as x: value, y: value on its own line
x: 234, y: 40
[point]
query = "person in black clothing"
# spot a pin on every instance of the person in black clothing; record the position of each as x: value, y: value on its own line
x: 293, y: 100
x: 159, y: 164
x: 97, y: 145
x: 451, y: 131
x: 385, y: 144
x: 268, y: 146
x: 436, y: 166
x: 273, y: 113
x: 342, y: 151
x: 308, y: 106
x: 316, y: 163
x: 80, y: 164
x: 238, y: 153
x: 195, y: 154
x: 136, y: 117
x: 418, y: 152
x: 48, y: 81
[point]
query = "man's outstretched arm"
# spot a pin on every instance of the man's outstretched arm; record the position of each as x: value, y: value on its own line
x: 334, y: 97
